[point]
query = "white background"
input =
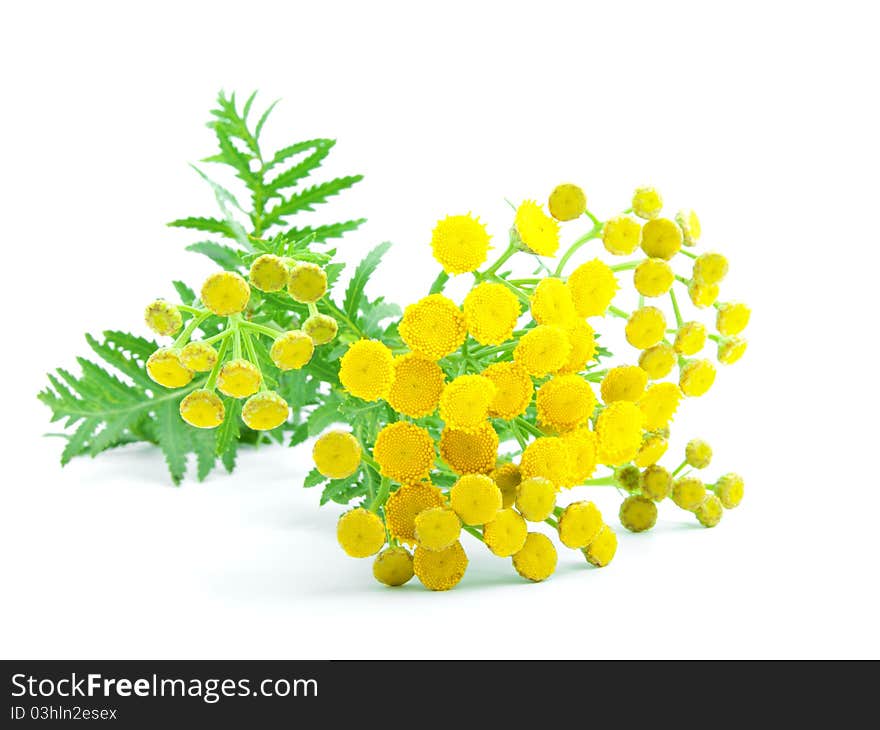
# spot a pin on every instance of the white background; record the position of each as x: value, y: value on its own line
x: 761, y: 116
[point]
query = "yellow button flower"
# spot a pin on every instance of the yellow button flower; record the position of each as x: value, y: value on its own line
x: 225, y: 293
x: 698, y: 453
x: 470, y: 452
x: 621, y: 235
x: 491, y: 311
x: 710, y: 268
x: 404, y: 451
x: 265, y: 411
x: 320, y: 328
x: 508, y: 478
x: 543, y: 349
x: 536, y: 498
x: 583, y: 347
x: 307, y: 282
x: 651, y: 451
x: 690, y: 226
x: 163, y: 317
x: 404, y: 504
x: 688, y: 493
x: 513, y: 390
x: 628, y: 477
x: 536, y: 560
x: 202, y: 409
x: 647, y: 203
x: 268, y: 273
x: 198, y: 356
x: 696, y: 377
x: 366, y: 370
x: 464, y: 403
x: 292, y: 350
x: 690, y: 338
x: 655, y: 483
x: 619, y: 431
x: 460, y: 244
x: 337, y: 454
x: 535, y: 230
x: 645, y: 327
x: 657, y: 361
x: 417, y: 385
x: 567, y: 202
x: 638, y: 514
x: 433, y: 326
x: 548, y: 457
x: 661, y: 238
x: 579, y: 524
x: 732, y: 318
x: 440, y: 570
x: 730, y: 489
x: 393, y: 566
x: 601, y: 551
x: 710, y: 511
x: 625, y: 382
x: 565, y: 402
x: 551, y: 303
x: 592, y: 286
x: 239, y: 378
x: 731, y: 350
x: 437, y: 528
x: 506, y: 534
x: 475, y: 498
x: 653, y: 277
x: 582, y: 448
x: 659, y: 404
x: 360, y: 533
x: 165, y: 367
x: 703, y: 295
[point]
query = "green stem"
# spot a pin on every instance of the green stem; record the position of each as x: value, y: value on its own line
x: 381, y: 495
x: 596, y: 222
x: 618, y: 312
x: 215, y: 371
x: 473, y: 531
x: 551, y: 521
x: 627, y: 266
x: 184, y: 336
x: 218, y: 337
x: 679, y: 468
x: 716, y: 338
x: 678, y: 319
x: 508, y: 252
x: 195, y: 311
x: 236, y: 338
x: 517, y: 434
x: 521, y: 295
x: 594, y: 232
x: 600, y: 482
x: 262, y: 329
x: 688, y: 253
x: 686, y: 282
x: 528, y: 427
x: 339, y: 315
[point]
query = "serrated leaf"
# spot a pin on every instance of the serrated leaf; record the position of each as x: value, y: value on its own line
x: 204, y: 443
x: 324, y: 415
x: 320, y: 234
x: 187, y: 295
x: 355, y: 290
x: 228, y: 433
x: 221, y: 255
x: 310, y: 197
x: 173, y: 438
x: 289, y: 177
x: 208, y: 225
x: 313, y: 479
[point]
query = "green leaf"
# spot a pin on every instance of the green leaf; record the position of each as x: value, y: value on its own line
x: 288, y: 178
x: 310, y: 197
x: 228, y: 433
x: 173, y: 438
x: 208, y: 225
x: 355, y: 290
x: 313, y: 479
x: 325, y: 233
x: 324, y: 415
x: 221, y: 255
x: 187, y: 295
x: 204, y: 443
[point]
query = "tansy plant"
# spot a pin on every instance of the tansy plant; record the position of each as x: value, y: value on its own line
x: 468, y: 417
x: 252, y: 340
x: 474, y: 417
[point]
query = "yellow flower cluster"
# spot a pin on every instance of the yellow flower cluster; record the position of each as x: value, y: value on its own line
x: 228, y: 362
x: 486, y: 412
